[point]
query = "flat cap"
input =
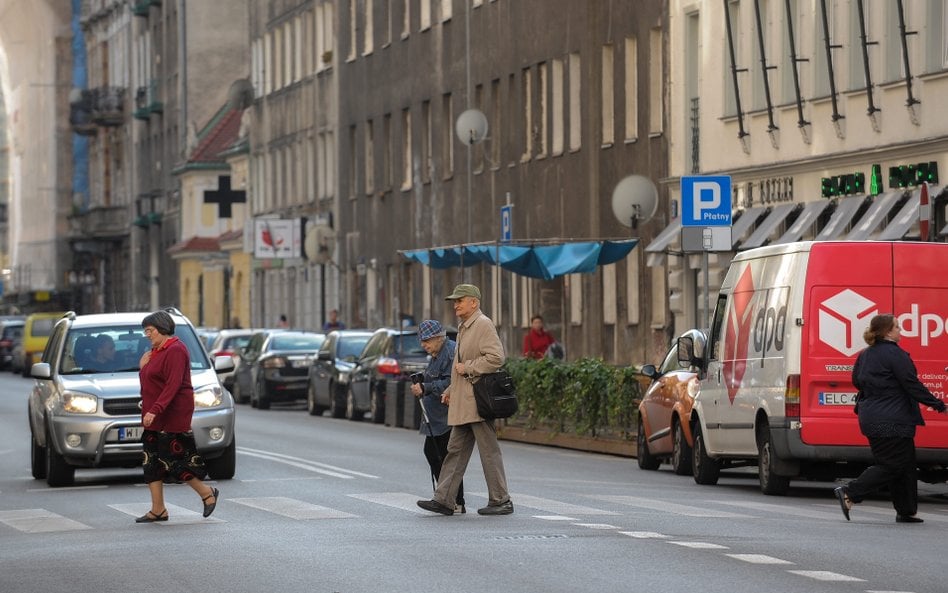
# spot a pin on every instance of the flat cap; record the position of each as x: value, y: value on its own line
x: 464, y: 290
x: 430, y: 328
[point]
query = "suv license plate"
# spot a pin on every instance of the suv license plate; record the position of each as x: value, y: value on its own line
x: 130, y: 433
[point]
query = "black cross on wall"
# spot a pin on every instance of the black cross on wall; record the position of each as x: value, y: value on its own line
x: 224, y: 197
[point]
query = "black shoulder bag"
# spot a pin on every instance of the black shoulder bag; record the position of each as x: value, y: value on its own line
x: 494, y: 393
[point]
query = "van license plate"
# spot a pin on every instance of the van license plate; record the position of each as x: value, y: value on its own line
x: 130, y: 433
x: 837, y: 398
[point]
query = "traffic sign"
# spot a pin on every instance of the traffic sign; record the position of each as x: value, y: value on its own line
x: 506, y: 223
x: 706, y: 200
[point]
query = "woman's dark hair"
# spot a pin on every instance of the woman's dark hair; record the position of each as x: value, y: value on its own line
x: 879, y: 326
x: 161, y: 321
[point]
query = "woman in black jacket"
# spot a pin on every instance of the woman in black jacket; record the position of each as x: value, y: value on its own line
x: 887, y: 406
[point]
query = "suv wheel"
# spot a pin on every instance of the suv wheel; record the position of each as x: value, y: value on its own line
x: 645, y: 459
x: 223, y: 467
x: 337, y: 397
x: 37, y: 459
x: 377, y: 405
x: 58, y: 472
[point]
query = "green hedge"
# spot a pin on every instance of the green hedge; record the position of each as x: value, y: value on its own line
x: 586, y: 397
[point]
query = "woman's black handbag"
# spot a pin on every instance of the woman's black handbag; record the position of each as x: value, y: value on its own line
x: 495, y: 395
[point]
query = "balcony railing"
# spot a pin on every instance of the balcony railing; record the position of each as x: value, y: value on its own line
x: 109, y: 106
x: 100, y: 222
x: 80, y: 113
x: 146, y: 101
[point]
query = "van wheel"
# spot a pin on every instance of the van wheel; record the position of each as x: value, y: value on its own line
x: 770, y: 483
x: 707, y: 470
x: 37, y: 459
x: 681, y: 452
x: 644, y: 457
x: 58, y: 472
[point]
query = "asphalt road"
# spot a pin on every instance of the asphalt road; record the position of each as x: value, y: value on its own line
x: 324, y: 505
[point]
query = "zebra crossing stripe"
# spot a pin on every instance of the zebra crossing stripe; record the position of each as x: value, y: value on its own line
x: 670, y: 507
x: 39, y: 521
x: 177, y: 515
x: 292, y: 508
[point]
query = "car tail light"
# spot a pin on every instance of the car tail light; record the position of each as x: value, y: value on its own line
x: 226, y: 353
x: 5, y: 343
x: 274, y: 363
x: 388, y: 366
x: 791, y: 397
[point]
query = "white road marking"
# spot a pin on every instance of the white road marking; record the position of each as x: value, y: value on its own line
x: 645, y: 534
x: 313, y: 466
x: 825, y: 575
x: 550, y: 506
x: 889, y: 513
x: 596, y: 525
x: 397, y: 500
x: 554, y: 518
x: 39, y: 521
x: 66, y: 489
x: 176, y: 515
x: 777, y: 509
x: 700, y: 545
x: 670, y: 507
x: 759, y: 559
x: 292, y: 508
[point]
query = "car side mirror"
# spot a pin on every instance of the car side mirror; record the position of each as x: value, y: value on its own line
x: 40, y: 370
x: 649, y: 371
x: 223, y: 364
x: 323, y: 355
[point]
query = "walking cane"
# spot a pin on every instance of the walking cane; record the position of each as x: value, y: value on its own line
x: 424, y: 415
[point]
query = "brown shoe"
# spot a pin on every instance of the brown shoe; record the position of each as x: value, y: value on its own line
x: 504, y: 508
x: 436, y: 507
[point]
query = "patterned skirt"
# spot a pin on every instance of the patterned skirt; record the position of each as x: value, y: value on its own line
x: 171, y: 456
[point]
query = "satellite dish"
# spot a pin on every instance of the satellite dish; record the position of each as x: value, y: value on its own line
x: 319, y: 243
x: 634, y: 200
x: 471, y: 126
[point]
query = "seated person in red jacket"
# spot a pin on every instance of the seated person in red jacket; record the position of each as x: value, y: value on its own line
x: 537, y: 340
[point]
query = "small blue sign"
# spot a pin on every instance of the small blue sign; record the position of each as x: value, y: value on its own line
x: 706, y: 200
x: 506, y: 223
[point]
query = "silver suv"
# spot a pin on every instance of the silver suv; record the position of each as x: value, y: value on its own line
x: 85, y: 411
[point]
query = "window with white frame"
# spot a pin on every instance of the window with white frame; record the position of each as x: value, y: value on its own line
x: 368, y: 40
x: 935, y: 28
x: 821, y: 85
x: 406, y: 149
x: 330, y: 168
x: 526, y: 95
x: 447, y: 9
x: 857, y: 70
x: 495, y: 122
x: 387, y: 150
x: 298, y: 45
x: 447, y: 140
x: 656, y: 62
x: 575, y: 282
x: 369, y: 157
x: 424, y: 15
x: 321, y: 165
x: 607, y: 88
x: 353, y: 29
x: 478, y: 150
x: 632, y: 284
x: 406, y: 19
x: 288, y: 54
x: 353, y: 162
x: 575, y: 102
x: 425, y: 147
x: 631, y: 89
x: 329, y: 39
x: 543, y: 126
x: 610, y: 307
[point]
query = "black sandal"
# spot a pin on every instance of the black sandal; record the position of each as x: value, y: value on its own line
x: 209, y: 507
x: 151, y: 517
x: 845, y: 503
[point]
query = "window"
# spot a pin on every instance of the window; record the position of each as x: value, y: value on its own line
x: 575, y: 287
x: 426, y: 164
x: 387, y: 152
x: 406, y: 149
x: 631, y: 90
x: 730, y: 99
x: 821, y: 85
x: 368, y: 41
x: 478, y: 154
x: 892, y: 45
x: 575, y: 103
x: 424, y: 15
x: 632, y: 283
x: 406, y: 19
x: 610, y: 309
x: 857, y: 70
x: 543, y: 133
x: 494, y: 131
x: 369, y: 157
x: 320, y: 41
x: 935, y: 25
x: 353, y: 18
x: 526, y: 95
x: 447, y: 142
x: 288, y: 54
x: 656, y: 63
x: 321, y: 165
x: 446, y: 10
x: 608, y: 96
x: 353, y: 161
x: 298, y: 49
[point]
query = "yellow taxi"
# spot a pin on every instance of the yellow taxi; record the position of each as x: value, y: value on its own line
x: 36, y: 331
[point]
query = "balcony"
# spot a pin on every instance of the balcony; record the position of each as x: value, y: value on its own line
x: 81, y: 107
x: 109, y: 106
x: 100, y: 222
x: 146, y: 101
x: 140, y: 7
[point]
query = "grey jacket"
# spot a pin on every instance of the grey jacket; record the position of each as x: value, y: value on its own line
x: 437, y: 378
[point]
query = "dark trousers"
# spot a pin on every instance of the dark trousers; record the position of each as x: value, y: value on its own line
x: 436, y: 449
x: 895, y: 467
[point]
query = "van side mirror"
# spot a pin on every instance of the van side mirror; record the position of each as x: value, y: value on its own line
x: 686, y: 352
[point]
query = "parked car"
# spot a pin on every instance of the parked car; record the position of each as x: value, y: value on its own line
x: 81, y: 417
x: 389, y: 355
x: 274, y: 366
x: 329, y: 373
x: 229, y: 342
x: 207, y: 335
x: 36, y: 331
x: 11, y: 333
x: 664, y: 431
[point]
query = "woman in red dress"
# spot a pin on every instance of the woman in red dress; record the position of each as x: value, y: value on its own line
x: 167, y: 407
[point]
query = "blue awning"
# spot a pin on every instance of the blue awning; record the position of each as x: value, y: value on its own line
x: 544, y: 262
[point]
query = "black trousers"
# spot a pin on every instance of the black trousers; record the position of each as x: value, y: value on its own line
x: 896, y: 468
x: 436, y: 449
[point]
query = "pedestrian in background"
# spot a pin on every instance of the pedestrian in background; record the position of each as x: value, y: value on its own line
x: 538, y: 340
x: 283, y: 322
x: 434, y: 381
x: 167, y: 406
x: 479, y: 351
x: 887, y: 406
x: 333, y: 322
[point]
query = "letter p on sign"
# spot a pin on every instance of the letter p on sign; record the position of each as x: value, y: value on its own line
x: 706, y: 200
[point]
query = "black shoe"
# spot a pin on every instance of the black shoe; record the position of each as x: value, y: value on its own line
x: 151, y: 517
x: 908, y: 519
x: 845, y: 503
x: 436, y: 507
x: 504, y: 508
x: 209, y: 507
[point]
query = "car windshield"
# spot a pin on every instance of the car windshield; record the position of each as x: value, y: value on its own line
x: 297, y: 342
x: 350, y: 347
x: 118, y: 348
x: 408, y: 344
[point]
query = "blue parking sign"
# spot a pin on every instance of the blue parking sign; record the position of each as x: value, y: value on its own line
x: 506, y: 224
x: 706, y: 200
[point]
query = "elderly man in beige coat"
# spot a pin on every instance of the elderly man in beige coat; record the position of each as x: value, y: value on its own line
x: 479, y: 351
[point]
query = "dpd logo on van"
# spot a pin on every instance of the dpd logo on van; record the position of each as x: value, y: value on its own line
x: 843, y: 317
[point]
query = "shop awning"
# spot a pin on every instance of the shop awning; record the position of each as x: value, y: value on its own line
x: 877, y: 212
x: 846, y: 209
x: 743, y: 224
x: 807, y: 218
x: 665, y: 238
x: 767, y: 227
x: 907, y: 216
x: 543, y: 261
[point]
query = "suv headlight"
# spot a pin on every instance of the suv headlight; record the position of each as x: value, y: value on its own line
x: 80, y: 403
x: 208, y: 397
